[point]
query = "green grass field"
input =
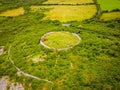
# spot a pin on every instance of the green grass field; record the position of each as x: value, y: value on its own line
x: 109, y: 4
x: 60, y: 40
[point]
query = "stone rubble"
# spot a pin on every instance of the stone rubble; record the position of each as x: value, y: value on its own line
x: 5, y: 84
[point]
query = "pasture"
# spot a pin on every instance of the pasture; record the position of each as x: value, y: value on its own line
x: 13, y: 12
x: 68, y: 1
x: 110, y: 16
x: 63, y: 13
x: 109, y: 4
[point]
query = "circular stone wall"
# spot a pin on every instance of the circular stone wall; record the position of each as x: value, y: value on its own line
x: 60, y: 40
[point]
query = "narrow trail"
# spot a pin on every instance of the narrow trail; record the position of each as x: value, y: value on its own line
x: 23, y: 73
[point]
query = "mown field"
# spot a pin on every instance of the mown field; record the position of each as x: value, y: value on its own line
x: 91, y: 65
x: 68, y: 1
x: 110, y: 9
x: 62, y: 13
x: 14, y: 12
x: 109, y: 4
x: 110, y: 16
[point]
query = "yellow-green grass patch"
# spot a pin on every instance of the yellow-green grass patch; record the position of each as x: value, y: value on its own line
x: 13, y: 12
x: 68, y: 13
x: 68, y: 1
x: 110, y: 16
x: 60, y: 40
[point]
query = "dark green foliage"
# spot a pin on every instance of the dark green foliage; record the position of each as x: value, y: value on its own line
x: 22, y: 2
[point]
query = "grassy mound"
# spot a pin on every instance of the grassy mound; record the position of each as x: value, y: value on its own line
x: 60, y: 40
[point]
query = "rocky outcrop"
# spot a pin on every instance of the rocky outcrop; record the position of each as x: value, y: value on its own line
x: 5, y: 84
x: 1, y: 50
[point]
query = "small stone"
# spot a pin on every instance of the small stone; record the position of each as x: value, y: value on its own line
x: 66, y: 25
x: 1, y: 50
x: 4, y: 81
x: 19, y: 73
x: 16, y: 86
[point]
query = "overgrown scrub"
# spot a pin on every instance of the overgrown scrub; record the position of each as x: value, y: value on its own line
x: 93, y: 64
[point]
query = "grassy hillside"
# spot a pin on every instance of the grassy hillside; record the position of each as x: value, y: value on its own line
x: 91, y: 65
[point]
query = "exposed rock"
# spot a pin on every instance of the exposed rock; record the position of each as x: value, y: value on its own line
x: 40, y: 58
x: 16, y: 86
x: 19, y: 73
x: 1, y: 50
x: 35, y: 60
x: 71, y: 65
x: 5, y: 83
x: 66, y: 25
